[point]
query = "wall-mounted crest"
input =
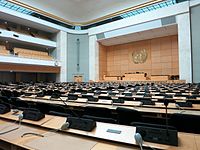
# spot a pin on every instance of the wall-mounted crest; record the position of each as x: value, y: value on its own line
x: 139, y: 56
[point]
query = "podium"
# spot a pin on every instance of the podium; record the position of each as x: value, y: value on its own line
x: 78, y: 78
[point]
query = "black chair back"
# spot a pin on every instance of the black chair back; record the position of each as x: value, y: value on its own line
x: 126, y: 116
x: 100, y: 119
x: 98, y: 111
x: 186, y: 122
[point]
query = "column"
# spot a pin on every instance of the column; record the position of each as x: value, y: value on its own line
x: 195, y: 24
x: 93, y: 58
x: 184, y: 44
x: 61, y: 53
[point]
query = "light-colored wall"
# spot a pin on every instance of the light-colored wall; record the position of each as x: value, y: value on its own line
x: 93, y: 58
x: 162, y: 57
x: 141, y: 18
x: 184, y: 44
x: 61, y: 53
x: 195, y: 24
x: 24, y: 39
x: 134, y: 28
x: 72, y: 56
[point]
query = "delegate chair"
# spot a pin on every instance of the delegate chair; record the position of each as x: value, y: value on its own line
x: 16, y: 93
x: 99, y: 114
x: 43, y: 107
x: 19, y: 104
x: 49, y: 92
x: 58, y: 110
x: 6, y: 93
x: 56, y: 94
x: 105, y: 97
x: 127, y: 94
x: 194, y: 96
x: 127, y: 116
x: 126, y: 98
x: 4, y: 99
x: 186, y: 122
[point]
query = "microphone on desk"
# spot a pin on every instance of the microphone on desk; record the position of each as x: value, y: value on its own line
x: 20, y: 117
x: 180, y: 108
x: 139, y: 140
x: 77, y: 122
x: 65, y: 126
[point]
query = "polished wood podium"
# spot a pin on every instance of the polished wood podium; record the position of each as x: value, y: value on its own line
x: 134, y: 76
x: 78, y: 78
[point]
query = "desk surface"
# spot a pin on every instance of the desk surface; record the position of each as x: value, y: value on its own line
x: 186, y: 140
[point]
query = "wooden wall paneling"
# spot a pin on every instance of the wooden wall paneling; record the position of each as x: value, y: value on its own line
x: 162, y: 57
x: 28, y: 68
x: 102, y: 61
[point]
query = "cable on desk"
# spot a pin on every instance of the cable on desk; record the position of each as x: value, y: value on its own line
x: 41, y: 135
x: 9, y: 130
x: 19, y: 125
x: 31, y: 133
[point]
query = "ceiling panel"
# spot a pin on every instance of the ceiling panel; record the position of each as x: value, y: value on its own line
x: 144, y: 35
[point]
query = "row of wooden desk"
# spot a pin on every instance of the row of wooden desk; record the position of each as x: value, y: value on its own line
x: 98, y: 139
x: 158, y: 108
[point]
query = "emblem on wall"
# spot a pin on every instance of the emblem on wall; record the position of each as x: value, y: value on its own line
x: 139, y: 56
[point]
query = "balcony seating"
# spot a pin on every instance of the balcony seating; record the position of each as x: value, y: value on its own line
x: 27, y: 53
x: 3, y: 50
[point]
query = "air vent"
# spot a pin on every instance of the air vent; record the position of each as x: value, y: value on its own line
x: 168, y: 20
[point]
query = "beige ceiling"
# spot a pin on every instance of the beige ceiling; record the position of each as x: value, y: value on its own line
x: 81, y: 10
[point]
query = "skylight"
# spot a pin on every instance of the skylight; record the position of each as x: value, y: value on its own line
x: 12, y: 6
x: 149, y: 8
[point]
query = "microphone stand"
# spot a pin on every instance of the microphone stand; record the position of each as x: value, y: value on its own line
x: 76, y: 115
x: 166, y: 102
